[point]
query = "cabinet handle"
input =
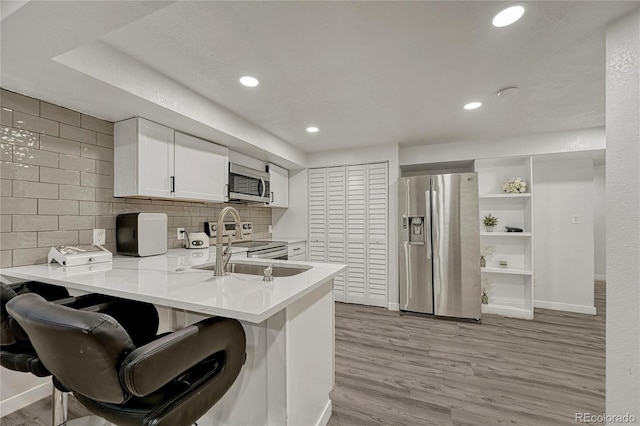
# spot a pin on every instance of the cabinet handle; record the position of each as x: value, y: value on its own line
x: 296, y: 249
x: 173, y: 184
x: 272, y: 196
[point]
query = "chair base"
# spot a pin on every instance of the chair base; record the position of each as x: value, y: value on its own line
x: 59, y: 413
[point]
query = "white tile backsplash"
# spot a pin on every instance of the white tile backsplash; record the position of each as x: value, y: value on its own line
x: 74, y: 192
x: 35, y: 124
x: 72, y: 162
x: 63, y: 146
x: 66, y: 177
x: 58, y: 207
x: 18, y: 102
x: 19, y: 137
x: 77, y: 134
x: 10, y: 170
x: 26, y: 189
x: 34, y: 156
x: 25, y: 222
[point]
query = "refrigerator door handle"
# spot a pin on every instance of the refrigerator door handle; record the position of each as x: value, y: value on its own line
x: 427, y: 220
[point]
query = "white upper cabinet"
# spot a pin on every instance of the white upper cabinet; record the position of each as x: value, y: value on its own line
x: 201, y: 169
x: 279, y: 186
x: 152, y: 160
x: 143, y: 159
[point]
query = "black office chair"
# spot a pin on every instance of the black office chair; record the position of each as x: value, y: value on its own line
x: 18, y: 354
x: 172, y: 380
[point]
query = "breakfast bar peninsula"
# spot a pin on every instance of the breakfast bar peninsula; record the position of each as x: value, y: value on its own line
x: 289, y: 323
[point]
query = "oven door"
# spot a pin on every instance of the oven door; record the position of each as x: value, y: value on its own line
x: 246, y: 184
x: 274, y: 253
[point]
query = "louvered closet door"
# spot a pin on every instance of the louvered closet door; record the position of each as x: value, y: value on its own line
x: 336, y: 230
x: 356, y: 234
x: 317, y: 215
x: 378, y: 188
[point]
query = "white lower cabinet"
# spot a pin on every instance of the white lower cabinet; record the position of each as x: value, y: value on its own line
x: 348, y: 217
x: 297, y: 251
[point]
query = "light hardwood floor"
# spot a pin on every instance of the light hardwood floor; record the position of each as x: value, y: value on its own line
x: 393, y: 370
x: 406, y: 370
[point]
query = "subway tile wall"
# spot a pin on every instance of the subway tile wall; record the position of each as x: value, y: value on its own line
x: 56, y: 184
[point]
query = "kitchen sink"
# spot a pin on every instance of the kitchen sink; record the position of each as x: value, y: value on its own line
x: 279, y: 270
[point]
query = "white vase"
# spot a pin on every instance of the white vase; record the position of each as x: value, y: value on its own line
x: 488, y: 228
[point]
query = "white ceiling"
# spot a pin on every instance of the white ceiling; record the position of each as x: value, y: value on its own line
x: 366, y: 73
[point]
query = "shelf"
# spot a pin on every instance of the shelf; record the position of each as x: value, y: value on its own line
x: 515, y: 311
x: 505, y: 234
x: 503, y: 196
x: 511, y: 271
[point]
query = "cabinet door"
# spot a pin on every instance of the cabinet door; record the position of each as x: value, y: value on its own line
x: 378, y: 188
x: 279, y: 186
x: 336, y: 224
x: 317, y: 215
x: 201, y: 169
x: 356, y: 238
x: 155, y: 159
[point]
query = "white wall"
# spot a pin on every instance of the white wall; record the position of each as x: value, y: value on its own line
x: 623, y: 215
x: 540, y: 143
x: 294, y: 221
x: 599, y: 223
x: 18, y: 390
x: 563, y: 251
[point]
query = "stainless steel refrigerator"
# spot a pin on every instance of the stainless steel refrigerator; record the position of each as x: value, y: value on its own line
x: 439, y: 245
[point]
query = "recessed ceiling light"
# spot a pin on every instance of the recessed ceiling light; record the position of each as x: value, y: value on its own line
x: 473, y: 105
x: 249, y: 81
x: 312, y: 129
x: 508, y: 16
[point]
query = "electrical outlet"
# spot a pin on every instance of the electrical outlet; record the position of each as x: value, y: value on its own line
x: 99, y: 236
x: 576, y: 219
x: 180, y: 234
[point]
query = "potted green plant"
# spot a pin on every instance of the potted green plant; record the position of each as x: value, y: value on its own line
x: 489, y: 222
x: 484, y: 287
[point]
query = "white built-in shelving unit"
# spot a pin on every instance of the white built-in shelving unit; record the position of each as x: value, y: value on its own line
x: 510, y: 289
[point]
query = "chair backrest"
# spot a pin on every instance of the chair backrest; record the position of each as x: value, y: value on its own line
x: 10, y: 333
x: 6, y: 335
x: 83, y: 350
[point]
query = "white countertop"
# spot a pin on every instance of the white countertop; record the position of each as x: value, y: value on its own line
x: 169, y: 280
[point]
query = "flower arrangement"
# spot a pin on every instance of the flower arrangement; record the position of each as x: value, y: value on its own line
x: 514, y: 186
x: 490, y: 220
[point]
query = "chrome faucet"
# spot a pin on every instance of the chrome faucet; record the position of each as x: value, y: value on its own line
x: 223, y: 256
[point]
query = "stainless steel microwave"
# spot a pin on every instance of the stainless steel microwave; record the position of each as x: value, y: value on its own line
x: 247, y: 184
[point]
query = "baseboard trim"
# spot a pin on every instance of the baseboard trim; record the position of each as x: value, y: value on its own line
x: 28, y: 397
x: 326, y: 414
x: 568, y: 307
x: 394, y: 306
x: 600, y: 277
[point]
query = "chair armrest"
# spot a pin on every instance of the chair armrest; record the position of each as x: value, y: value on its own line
x: 150, y: 367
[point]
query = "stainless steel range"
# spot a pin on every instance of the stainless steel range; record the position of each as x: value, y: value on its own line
x: 255, y: 249
x: 265, y: 249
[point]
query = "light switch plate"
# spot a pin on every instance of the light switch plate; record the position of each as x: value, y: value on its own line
x: 99, y: 236
x: 576, y: 219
